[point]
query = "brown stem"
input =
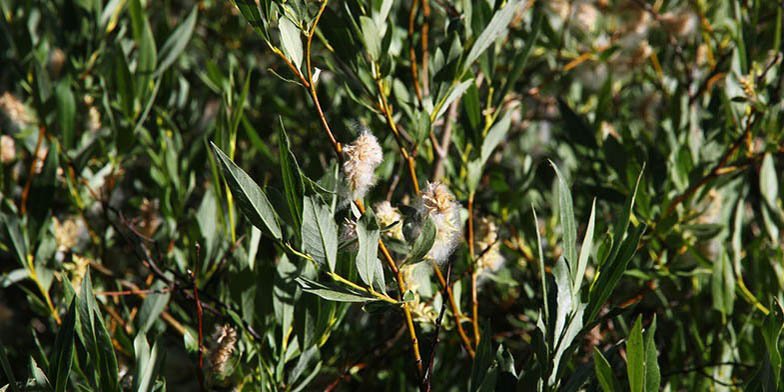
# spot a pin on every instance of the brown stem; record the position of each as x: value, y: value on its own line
x: 412, y: 50
x: 425, y: 385
x: 475, y: 272
x: 717, y: 170
x: 391, y: 122
x: 402, y: 289
x: 455, y: 311
x: 312, y: 85
x: 446, y: 137
x: 425, y: 54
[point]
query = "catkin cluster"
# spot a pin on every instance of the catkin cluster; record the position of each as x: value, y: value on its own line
x: 362, y: 157
x: 437, y: 202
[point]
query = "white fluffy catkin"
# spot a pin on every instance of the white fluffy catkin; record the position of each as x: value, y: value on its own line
x: 438, y: 202
x: 362, y: 157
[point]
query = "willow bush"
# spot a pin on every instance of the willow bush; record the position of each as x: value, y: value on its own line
x: 400, y: 195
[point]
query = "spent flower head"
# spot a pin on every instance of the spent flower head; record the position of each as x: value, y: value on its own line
x: 388, y: 215
x: 438, y: 202
x: 488, y: 246
x: 362, y: 157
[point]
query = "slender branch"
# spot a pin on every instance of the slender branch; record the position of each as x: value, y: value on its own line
x: 412, y: 50
x: 122, y: 293
x: 425, y: 54
x: 455, y: 311
x: 446, y: 137
x: 391, y: 122
x: 717, y: 170
x: 475, y: 272
x: 425, y: 385
x: 312, y: 84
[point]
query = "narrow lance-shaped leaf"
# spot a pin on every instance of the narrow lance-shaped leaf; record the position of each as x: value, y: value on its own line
x: 291, y: 41
x: 250, y: 198
x: 331, y: 293
x: 493, y: 31
x: 293, y: 185
x: 566, y: 211
x: 585, y: 250
x: 635, y: 357
x: 176, y: 42
x: 60, y: 365
x: 652, y: 374
x: 368, y: 235
x: 541, y: 266
x: 603, y: 371
x: 319, y: 232
x: 424, y: 241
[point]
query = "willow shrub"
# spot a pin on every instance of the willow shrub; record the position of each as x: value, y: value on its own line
x: 447, y: 195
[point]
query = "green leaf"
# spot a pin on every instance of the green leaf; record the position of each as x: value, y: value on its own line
x: 107, y: 360
x: 522, y: 56
x: 291, y: 41
x: 652, y: 374
x: 494, y: 30
x: 368, y: 235
x: 769, y: 182
x: 635, y: 357
x: 147, y: 53
x: 9, y: 374
x: 371, y: 37
x: 319, y: 232
x: 331, y: 292
x: 542, y: 274
x: 250, y: 198
x: 424, y: 241
x: 60, y: 365
x: 482, y: 360
x: 771, y: 333
x: 176, y: 43
x: 723, y: 285
x: 96, y: 338
x: 147, y: 363
x: 454, y: 93
x: 620, y: 254
x: 604, y: 372
x: 123, y: 82
x: 495, y: 135
x: 152, y: 307
x: 293, y: 184
x: 307, y: 362
x: 569, y: 228
x: 577, y: 129
x: 585, y: 250
x: 66, y: 112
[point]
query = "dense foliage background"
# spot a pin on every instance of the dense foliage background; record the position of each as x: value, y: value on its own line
x: 184, y: 205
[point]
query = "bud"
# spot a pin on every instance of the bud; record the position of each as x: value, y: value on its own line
x: 55, y: 62
x: 438, y: 202
x: 7, y: 149
x: 93, y: 119
x: 362, y: 157
x: 387, y: 216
